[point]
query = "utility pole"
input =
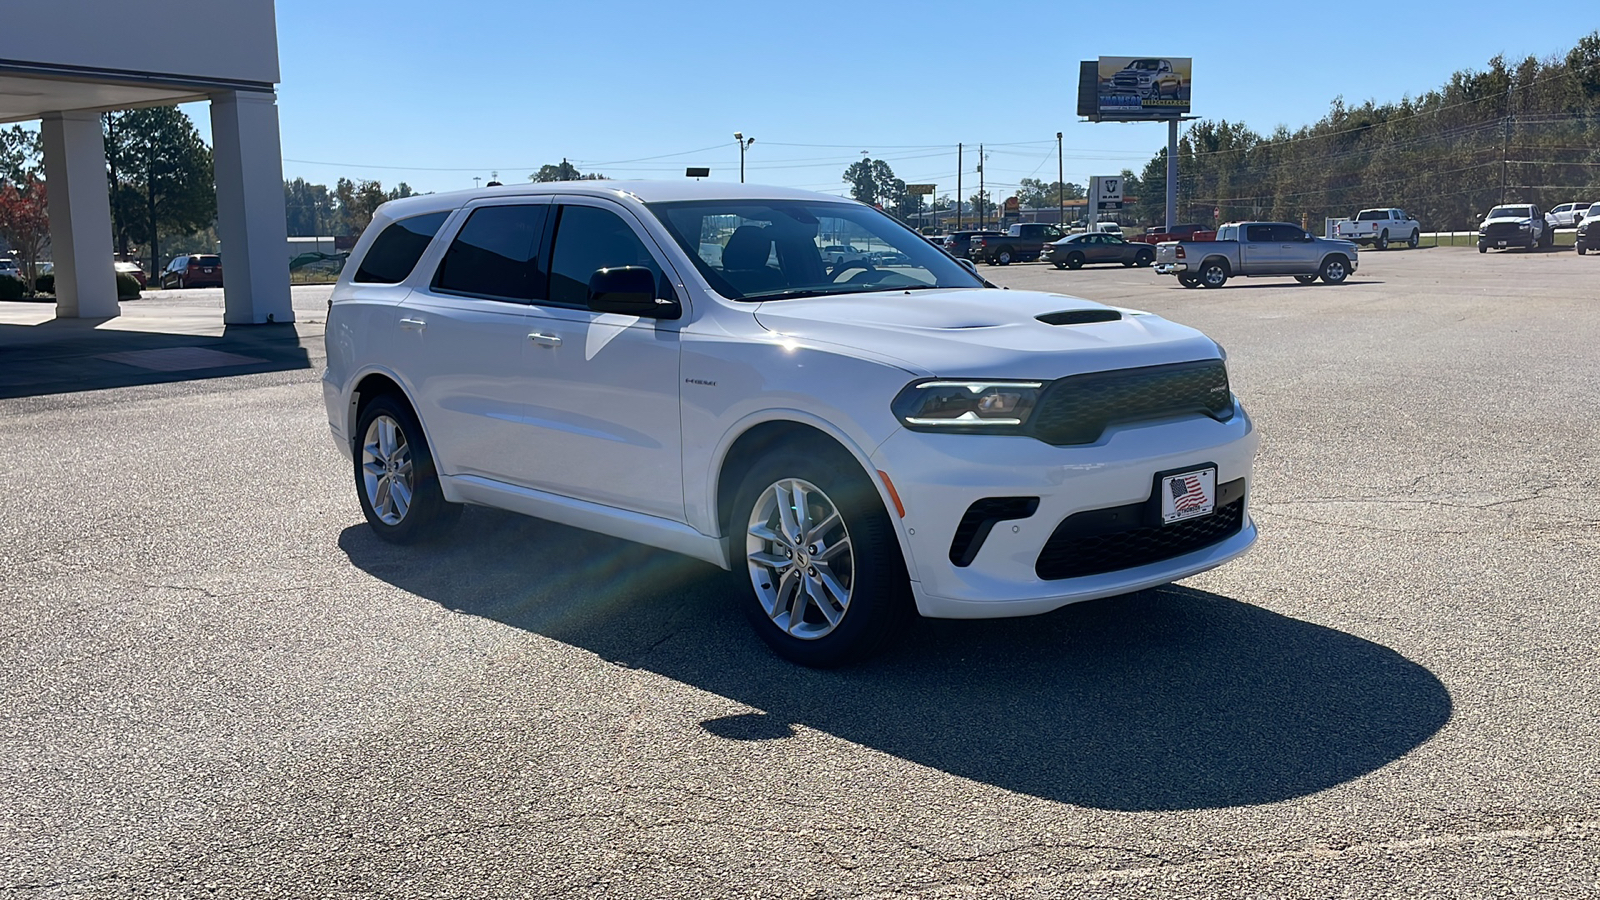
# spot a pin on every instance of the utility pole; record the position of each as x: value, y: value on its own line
x: 982, y: 199
x: 1061, y: 188
x: 959, y: 202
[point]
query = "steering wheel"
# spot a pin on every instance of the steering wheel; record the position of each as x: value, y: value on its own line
x: 845, y: 265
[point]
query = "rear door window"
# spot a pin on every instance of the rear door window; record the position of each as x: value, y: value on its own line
x: 396, y: 251
x: 496, y: 255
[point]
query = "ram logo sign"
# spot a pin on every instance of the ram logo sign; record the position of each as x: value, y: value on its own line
x: 1133, y: 88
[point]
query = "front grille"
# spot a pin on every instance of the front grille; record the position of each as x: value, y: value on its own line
x: 1122, y: 81
x: 1504, y: 231
x: 1100, y: 540
x: 1077, y: 409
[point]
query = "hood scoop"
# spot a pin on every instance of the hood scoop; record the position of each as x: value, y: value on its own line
x: 1079, y: 316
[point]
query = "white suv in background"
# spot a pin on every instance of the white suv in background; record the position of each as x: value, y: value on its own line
x: 684, y: 365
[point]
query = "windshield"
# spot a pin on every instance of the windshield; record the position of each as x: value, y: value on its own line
x: 779, y: 249
x: 1511, y: 212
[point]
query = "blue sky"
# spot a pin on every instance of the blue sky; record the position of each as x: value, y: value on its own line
x: 436, y: 94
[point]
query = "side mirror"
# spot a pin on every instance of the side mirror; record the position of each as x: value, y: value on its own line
x: 970, y: 266
x: 629, y: 291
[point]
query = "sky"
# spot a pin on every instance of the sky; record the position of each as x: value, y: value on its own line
x: 437, y: 94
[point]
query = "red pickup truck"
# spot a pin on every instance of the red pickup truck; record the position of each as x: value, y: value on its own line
x: 1178, y: 233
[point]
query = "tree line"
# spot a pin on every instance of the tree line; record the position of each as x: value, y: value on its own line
x: 1517, y: 131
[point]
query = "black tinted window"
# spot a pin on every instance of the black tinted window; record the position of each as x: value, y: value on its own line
x: 1287, y: 233
x: 497, y: 254
x: 587, y: 239
x: 1258, y: 233
x: 391, y: 257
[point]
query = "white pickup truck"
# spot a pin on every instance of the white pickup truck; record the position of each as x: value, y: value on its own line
x: 1257, y: 248
x: 1379, y: 227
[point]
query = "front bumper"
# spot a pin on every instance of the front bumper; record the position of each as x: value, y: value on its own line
x: 939, y: 476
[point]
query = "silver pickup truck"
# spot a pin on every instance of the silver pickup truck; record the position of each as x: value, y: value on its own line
x: 1254, y: 249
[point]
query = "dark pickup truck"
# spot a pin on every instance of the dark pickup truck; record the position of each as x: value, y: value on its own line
x: 1021, y: 243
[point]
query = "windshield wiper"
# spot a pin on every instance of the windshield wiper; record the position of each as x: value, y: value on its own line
x: 797, y: 293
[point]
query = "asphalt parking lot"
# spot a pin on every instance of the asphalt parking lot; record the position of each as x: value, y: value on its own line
x: 218, y: 683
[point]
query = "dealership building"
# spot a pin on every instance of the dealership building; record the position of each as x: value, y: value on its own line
x: 64, y: 62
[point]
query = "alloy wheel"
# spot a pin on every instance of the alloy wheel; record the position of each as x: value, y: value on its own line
x: 801, y: 561
x: 387, y: 470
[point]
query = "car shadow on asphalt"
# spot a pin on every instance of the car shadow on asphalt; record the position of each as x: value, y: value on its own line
x: 1168, y: 699
x: 67, y: 355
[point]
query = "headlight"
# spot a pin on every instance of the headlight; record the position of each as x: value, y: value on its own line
x: 1525, y: 226
x: 981, y: 406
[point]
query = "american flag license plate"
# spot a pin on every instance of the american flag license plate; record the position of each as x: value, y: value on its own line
x: 1188, y: 495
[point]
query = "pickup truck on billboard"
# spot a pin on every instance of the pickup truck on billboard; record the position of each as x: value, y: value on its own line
x: 1143, y: 87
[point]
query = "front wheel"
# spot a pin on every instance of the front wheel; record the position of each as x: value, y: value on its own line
x: 1306, y: 279
x: 395, y: 475
x: 827, y: 579
x: 1335, y: 270
x: 1059, y: 265
x: 1582, y: 250
x: 1414, y: 240
x: 1483, y: 248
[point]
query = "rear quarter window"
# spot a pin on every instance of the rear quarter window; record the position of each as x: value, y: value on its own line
x: 396, y: 251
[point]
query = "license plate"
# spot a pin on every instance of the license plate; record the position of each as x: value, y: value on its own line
x: 207, y: 271
x: 1188, y: 495
x: 1502, y: 243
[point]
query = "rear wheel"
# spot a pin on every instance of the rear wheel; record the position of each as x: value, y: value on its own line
x: 1075, y: 261
x: 1004, y: 257
x: 1144, y: 258
x: 1382, y: 243
x: 1335, y: 270
x: 1213, y: 274
x: 1306, y: 279
x: 1548, y: 238
x: 828, y: 583
x: 395, y: 475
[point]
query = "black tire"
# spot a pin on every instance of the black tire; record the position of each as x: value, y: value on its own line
x: 427, y: 515
x: 1189, y: 281
x: 1213, y: 273
x: 1335, y: 269
x: 179, y: 285
x: 1059, y: 265
x: 1547, y: 239
x: 879, y: 590
x: 1582, y: 250
x: 1382, y: 243
x: 1307, y: 279
x: 1075, y: 261
x: 1414, y: 240
x: 1483, y: 248
x: 1004, y: 256
x: 1144, y: 258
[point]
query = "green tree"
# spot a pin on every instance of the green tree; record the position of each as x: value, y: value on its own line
x: 564, y: 172
x: 21, y: 156
x: 1036, y: 194
x: 310, y: 208
x: 873, y: 182
x: 162, y: 176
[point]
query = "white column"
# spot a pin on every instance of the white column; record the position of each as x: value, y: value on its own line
x: 80, y: 215
x: 250, y: 215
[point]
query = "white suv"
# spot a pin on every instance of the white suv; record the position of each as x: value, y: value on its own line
x: 683, y: 364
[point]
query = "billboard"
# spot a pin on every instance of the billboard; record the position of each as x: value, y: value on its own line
x: 1134, y: 88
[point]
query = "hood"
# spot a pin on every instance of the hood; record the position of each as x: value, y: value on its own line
x: 987, y: 332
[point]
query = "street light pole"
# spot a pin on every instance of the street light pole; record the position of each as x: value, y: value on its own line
x: 744, y: 143
x: 1061, y: 189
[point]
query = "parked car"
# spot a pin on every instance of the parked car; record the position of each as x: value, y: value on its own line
x: 9, y: 268
x: 204, y: 270
x: 1176, y: 233
x: 1380, y: 227
x: 1567, y: 215
x: 1587, y: 213
x: 1589, y: 231
x: 847, y: 440
x: 132, y: 270
x: 1091, y: 247
x: 1023, y: 242
x: 1515, y: 225
x: 1254, y: 249
x: 959, y: 243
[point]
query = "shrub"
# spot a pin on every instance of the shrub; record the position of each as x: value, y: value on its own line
x: 11, y: 288
x: 46, y: 283
x: 127, y: 287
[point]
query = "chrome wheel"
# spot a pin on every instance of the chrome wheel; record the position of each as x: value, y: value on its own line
x: 801, y: 563
x: 1334, y: 271
x: 386, y: 470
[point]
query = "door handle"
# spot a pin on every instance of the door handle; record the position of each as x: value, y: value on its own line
x: 413, y: 324
x: 545, y: 340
